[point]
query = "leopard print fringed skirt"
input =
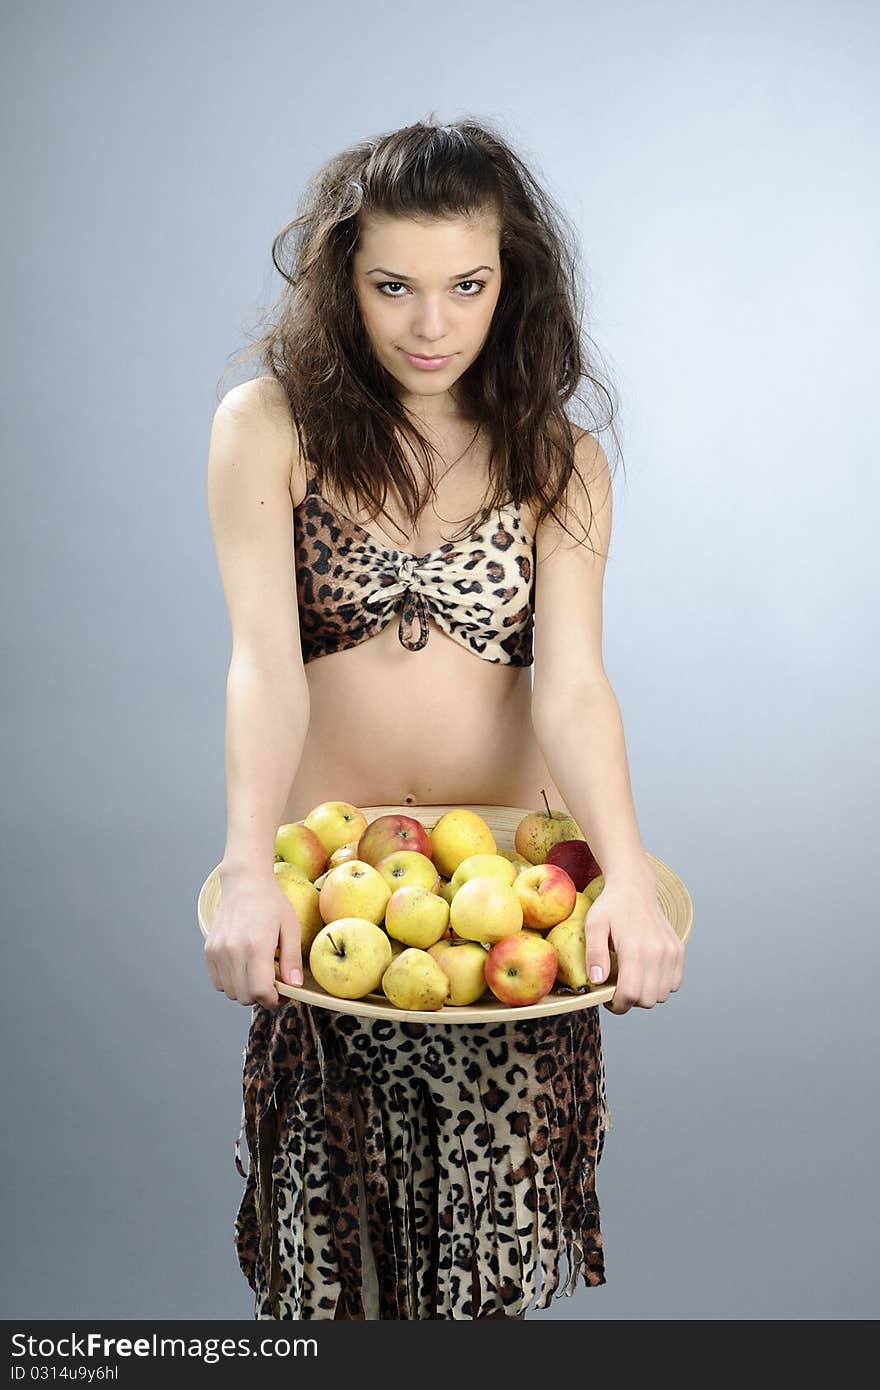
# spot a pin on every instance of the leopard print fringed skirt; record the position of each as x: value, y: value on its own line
x: 419, y: 1170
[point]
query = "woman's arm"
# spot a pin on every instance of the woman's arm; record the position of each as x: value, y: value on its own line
x: 267, y: 694
x: 578, y: 726
x: 583, y: 745
x: 267, y: 719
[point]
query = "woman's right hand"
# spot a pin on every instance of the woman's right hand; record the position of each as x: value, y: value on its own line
x: 253, y: 918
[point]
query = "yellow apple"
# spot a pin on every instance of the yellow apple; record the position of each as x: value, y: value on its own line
x: 354, y: 889
x: 485, y: 909
x: 336, y: 823
x: 296, y: 843
x: 446, y: 889
x: 569, y: 940
x: 408, y: 866
x: 547, y: 895
x: 303, y: 897
x: 483, y: 866
x: 463, y: 965
x: 414, y: 980
x: 416, y: 916
x: 521, y: 969
x: 537, y: 831
x: 457, y: 834
x: 349, y: 957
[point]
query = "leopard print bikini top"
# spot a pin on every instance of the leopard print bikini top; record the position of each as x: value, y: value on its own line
x: 479, y: 590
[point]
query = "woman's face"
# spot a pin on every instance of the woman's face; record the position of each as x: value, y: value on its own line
x: 427, y: 288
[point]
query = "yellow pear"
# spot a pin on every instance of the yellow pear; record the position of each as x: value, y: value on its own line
x: 342, y: 854
x: 464, y: 966
x: 517, y: 860
x: 582, y: 904
x: 594, y: 888
x: 569, y: 938
x: 415, y: 980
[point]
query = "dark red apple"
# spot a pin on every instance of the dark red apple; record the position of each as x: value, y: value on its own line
x: 577, y: 859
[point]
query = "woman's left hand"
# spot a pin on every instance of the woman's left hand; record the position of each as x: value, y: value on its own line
x: 627, y: 918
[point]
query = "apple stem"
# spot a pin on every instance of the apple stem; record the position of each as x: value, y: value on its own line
x: 546, y: 803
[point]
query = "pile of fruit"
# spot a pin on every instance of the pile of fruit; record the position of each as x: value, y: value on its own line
x: 439, y: 916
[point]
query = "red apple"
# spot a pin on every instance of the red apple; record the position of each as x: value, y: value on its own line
x: 577, y: 859
x: 521, y: 968
x: 547, y: 895
x: 386, y: 834
x: 296, y: 843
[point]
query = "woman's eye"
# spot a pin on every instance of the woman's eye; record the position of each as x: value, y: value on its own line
x: 384, y: 284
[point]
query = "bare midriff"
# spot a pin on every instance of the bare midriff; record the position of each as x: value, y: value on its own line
x: 439, y: 726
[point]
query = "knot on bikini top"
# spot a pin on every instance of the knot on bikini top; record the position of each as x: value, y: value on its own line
x: 412, y: 628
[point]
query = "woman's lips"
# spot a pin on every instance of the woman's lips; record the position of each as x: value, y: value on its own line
x: 427, y: 363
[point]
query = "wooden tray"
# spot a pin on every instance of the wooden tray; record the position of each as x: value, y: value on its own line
x: 672, y: 895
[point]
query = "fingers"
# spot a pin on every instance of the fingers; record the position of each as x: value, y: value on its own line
x: 260, y: 977
x: 678, y: 968
x: 621, y: 1001
x: 255, y: 932
x: 218, y: 968
x: 260, y: 984
x: 212, y: 967
x: 647, y: 974
x: 598, y: 953
x: 244, y: 978
x: 290, y: 964
x: 669, y: 968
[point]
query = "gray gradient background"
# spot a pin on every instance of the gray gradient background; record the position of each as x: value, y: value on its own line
x: 718, y: 163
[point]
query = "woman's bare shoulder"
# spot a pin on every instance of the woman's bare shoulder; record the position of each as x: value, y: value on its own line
x: 261, y: 404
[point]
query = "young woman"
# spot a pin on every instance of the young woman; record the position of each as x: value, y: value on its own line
x: 425, y: 347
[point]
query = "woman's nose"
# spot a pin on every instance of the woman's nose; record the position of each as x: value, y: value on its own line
x: 430, y: 322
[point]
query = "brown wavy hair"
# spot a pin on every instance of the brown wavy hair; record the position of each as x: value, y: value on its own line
x: 343, y: 401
